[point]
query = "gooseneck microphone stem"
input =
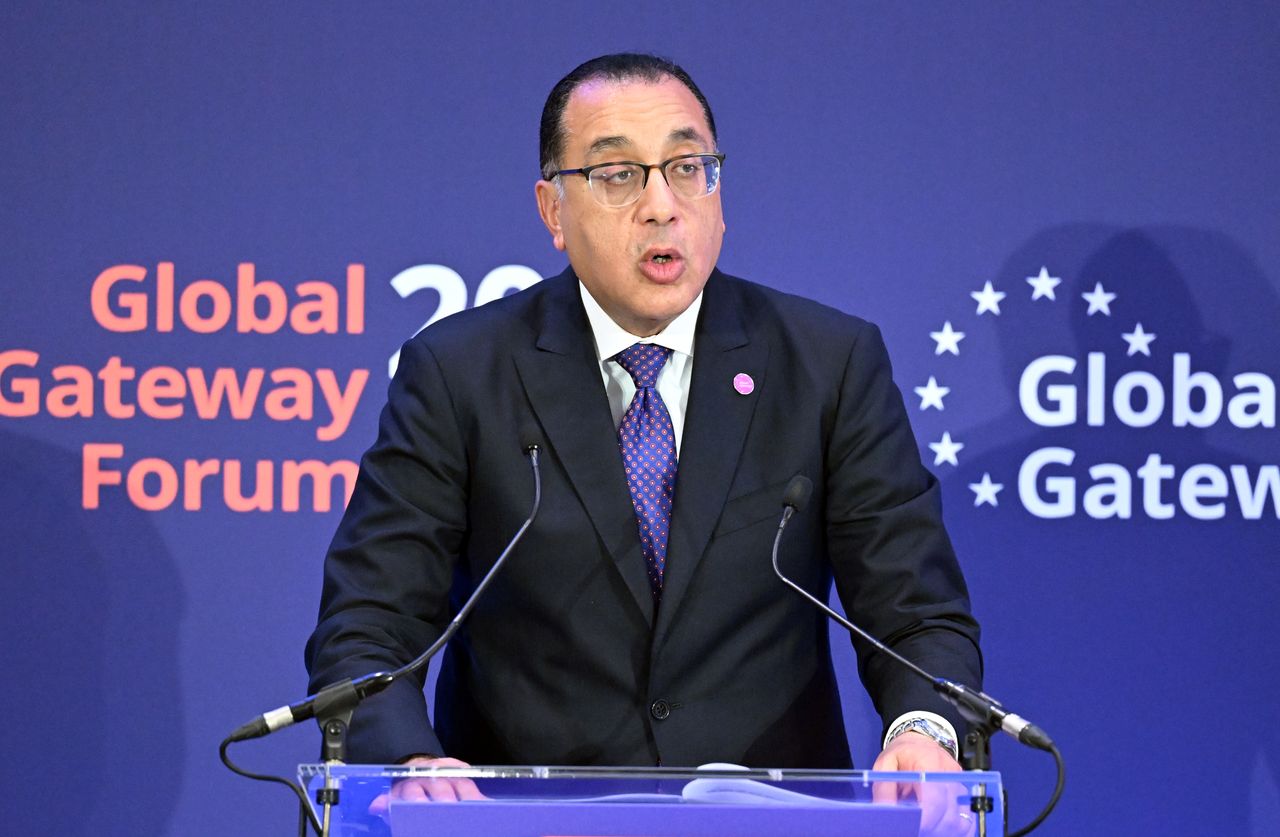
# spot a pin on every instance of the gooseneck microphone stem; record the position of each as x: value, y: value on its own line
x: 978, y: 708
x: 371, y: 684
x: 852, y: 628
x: 333, y: 705
x: 425, y: 657
x: 456, y: 623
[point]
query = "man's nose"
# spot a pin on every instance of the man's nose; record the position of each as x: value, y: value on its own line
x: 657, y: 202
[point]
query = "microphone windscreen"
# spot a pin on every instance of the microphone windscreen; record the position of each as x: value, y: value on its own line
x: 530, y: 436
x: 797, y: 493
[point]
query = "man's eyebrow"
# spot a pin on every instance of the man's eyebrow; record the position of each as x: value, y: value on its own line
x: 686, y: 135
x: 608, y: 144
x: 619, y: 142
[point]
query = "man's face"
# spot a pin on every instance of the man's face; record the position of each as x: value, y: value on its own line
x: 618, y: 252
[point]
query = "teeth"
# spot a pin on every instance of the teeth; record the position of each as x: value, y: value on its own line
x: 662, y: 259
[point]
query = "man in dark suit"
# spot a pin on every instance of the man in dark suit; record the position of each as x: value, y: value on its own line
x: 640, y: 621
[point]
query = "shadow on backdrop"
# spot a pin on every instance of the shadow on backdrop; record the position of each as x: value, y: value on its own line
x: 1142, y: 644
x: 90, y: 655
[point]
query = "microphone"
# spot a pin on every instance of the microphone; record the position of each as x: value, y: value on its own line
x: 796, y: 497
x: 531, y: 443
x: 977, y: 707
x: 347, y: 694
x: 303, y: 710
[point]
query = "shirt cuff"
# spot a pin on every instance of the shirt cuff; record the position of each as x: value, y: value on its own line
x: 907, y: 717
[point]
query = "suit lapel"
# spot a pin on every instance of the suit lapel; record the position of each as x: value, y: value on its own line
x: 561, y: 377
x: 715, y: 428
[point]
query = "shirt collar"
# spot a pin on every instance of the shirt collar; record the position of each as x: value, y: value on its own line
x: 612, y: 338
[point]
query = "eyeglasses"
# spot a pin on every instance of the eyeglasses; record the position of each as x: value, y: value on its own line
x: 618, y: 184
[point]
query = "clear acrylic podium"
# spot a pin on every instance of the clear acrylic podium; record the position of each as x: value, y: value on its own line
x: 665, y: 802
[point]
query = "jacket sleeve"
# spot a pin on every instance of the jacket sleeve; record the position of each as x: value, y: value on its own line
x: 894, y: 567
x: 390, y: 566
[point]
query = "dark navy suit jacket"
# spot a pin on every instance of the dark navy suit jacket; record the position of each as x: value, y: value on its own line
x: 566, y: 660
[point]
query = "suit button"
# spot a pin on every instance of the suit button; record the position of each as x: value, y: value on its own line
x: 660, y: 710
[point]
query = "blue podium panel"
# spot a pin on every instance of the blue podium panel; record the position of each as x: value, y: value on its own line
x: 662, y: 802
x: 635, y: 819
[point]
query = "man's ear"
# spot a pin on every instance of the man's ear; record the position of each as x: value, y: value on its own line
x: 548, y: 195
x: 722, y: 226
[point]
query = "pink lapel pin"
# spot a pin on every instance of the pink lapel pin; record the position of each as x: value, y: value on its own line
x: 743, y: 384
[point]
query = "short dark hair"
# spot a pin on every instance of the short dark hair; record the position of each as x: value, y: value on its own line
x: 622, y: 66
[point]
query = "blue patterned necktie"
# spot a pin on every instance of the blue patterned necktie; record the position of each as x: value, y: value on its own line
x: 648, y: 444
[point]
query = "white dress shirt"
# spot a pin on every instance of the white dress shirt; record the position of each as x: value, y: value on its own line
x: 673, y: 380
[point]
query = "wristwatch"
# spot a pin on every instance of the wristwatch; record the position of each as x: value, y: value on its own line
x: 924, y: 726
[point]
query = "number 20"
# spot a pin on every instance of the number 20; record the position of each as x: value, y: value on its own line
x: 453, y: 291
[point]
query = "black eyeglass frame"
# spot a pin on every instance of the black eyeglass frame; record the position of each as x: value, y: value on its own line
x: 585, y: 171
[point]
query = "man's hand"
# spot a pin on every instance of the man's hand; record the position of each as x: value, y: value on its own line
x: 941, y: 812
x: 424, y: 789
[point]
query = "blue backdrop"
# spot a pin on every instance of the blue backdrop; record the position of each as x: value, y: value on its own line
x: 161, y: 432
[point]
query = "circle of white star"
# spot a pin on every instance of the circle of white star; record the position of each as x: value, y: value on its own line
x: 1042, y: 285
x: 1139, y: 341
x: 947, y: 339
x: 985, y: 491
x: 988, y: 299
x: 1099, y: 300
x: 931, y: 394
x: 946, y: 450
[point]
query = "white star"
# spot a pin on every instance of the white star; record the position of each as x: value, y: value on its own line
x: 1043, y: 284
x: 1099, y: 300
x: 931, y: 394
x: 988, y: 299
x: 947, y: 340
x: 1139, y: 341
x: 946, y: 450
x: 985, y: 491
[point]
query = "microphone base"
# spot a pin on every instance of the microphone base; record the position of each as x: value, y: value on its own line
x: 333, y: 707
x: 976, y: 750
x: 976, y: 755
